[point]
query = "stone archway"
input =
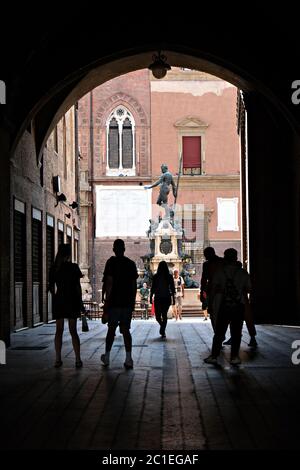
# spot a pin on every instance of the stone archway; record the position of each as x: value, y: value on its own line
x: 267, y: 116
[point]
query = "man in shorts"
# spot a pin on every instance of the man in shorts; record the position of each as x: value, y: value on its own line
x: 119, y: 292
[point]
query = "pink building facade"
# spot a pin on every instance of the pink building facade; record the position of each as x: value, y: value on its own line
x: 128, y: 127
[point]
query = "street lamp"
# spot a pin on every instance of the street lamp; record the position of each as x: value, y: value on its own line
x: 159, y: 66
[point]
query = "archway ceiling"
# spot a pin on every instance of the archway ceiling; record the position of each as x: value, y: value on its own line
x: 54, y: 62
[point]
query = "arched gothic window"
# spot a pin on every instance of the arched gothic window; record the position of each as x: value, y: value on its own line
x: 120, y: 130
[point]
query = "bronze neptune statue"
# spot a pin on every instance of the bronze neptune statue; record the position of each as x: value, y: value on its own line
x: 165, y: 181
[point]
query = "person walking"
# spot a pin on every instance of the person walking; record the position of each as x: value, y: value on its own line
x: 119, y: 294
x: 67, y: 300
x: 210, y: 267
x: 163, y: 291
x: 249, y: 320
x: 204, y: 305
x: 232, y: 284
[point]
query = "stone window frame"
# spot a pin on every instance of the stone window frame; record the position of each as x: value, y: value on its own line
x: 120, y: 120
x: 191, y: 126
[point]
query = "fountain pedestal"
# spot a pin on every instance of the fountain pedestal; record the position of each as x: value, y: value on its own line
x: 166, y: 239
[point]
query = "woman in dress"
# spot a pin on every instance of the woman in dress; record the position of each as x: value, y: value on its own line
x: 67, y: 300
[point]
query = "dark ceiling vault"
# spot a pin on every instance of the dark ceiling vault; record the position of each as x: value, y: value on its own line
x: 54, y: 56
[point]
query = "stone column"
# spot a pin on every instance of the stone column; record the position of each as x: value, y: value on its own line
x: 6, y: 292
x: 274, y: 229
x: 85, y: 189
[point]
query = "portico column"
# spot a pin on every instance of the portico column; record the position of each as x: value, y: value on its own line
x: 274, y: 229
x: 84, y: 229
x: 6, y: 280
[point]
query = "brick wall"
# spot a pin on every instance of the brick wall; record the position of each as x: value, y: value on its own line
x: 36, y: 192
x: 132, y: 91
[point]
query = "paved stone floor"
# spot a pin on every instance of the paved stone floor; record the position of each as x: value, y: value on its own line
x: 170, y: 400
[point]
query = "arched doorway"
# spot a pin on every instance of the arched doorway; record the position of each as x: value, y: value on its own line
x: 263, y: 108
x: 190, y: 114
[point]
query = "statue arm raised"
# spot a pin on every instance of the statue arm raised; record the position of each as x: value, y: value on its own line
x: 154, y: 184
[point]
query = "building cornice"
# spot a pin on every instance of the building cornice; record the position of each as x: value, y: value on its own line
x: 190, y: 122
x: 109, y: 180
x: 196, y: 182
x: 210, y: 182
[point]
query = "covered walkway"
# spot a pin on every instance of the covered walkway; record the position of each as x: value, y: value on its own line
x: 170, y: 400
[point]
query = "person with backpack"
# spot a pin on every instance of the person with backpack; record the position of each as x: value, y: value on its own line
x: 249, y: 320
x: 212, y: 264
x: 231, y: 286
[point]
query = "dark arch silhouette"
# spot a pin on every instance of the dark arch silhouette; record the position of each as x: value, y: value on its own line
x: 58, y: 57
x: 67, y: 54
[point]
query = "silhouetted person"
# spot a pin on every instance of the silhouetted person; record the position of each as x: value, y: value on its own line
x: 210, y: 267
x: 67, y: 300
x: 231, y: 284
x: 204, y: 305
x: 163, y: 290
x: 119, y: 291
x: 249, y: 320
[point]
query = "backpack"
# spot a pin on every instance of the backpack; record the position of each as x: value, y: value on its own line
x: 231, y: 296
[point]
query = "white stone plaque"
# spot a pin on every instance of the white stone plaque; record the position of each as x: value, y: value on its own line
x: 227, y: 214
x: 122, y: 211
